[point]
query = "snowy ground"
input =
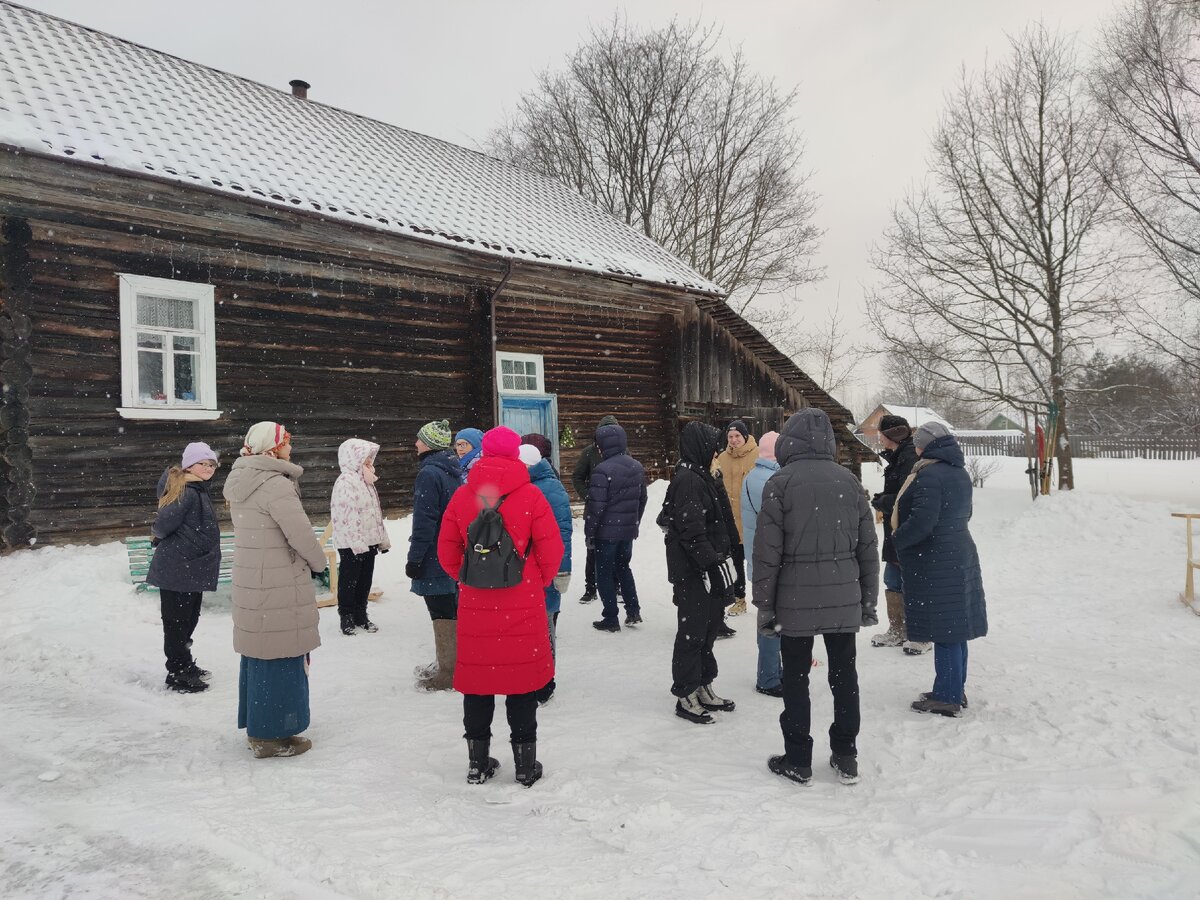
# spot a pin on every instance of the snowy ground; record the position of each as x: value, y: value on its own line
x: 1074, y: 774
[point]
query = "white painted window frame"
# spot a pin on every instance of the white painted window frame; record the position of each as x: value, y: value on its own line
x: 537, y: 358
x: 204, y: 296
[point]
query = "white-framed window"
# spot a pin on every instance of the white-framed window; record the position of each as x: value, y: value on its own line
x: 168, y: 349
x: 521, y: 373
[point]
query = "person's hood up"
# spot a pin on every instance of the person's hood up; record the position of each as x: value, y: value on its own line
x: 946, y: 450
x: 353, y: 453
x: 806, y: 435
x: 249, y: 473
x: 446, y: 460
x: 607, y: 420
x: 494, y: 476
x: 698, y: 443
x: 611, y: 440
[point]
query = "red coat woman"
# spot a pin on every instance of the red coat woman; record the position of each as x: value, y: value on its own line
x: 504, y: 643
x: 503, y: 639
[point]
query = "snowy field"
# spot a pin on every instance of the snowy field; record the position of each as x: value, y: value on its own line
x: 1073, y: 775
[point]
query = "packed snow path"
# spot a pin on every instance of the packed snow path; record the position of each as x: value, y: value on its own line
x: 1073, y: 775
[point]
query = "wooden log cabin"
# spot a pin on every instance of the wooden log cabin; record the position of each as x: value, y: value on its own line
x: 184, y: 253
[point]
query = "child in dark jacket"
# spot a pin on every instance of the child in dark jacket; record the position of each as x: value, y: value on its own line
x: 186, y: 561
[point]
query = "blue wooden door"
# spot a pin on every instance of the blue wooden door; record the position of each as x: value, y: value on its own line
x: 532, y: 413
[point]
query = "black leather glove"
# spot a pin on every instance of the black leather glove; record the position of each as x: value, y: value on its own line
x: 412, y: 569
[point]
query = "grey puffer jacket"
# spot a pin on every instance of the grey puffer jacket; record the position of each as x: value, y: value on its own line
x: 275, y: 552
x: 816, y: 566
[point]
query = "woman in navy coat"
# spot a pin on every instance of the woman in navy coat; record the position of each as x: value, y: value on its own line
x: 943, y: 585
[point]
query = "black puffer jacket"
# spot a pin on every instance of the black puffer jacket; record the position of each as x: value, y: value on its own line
x: 188, y: 555
x: 617, y: 491
x: 900, y: 464
x: 816, y: 563
x: 696, y: 517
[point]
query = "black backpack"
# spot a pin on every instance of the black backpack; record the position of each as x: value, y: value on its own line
x: 491, y: 560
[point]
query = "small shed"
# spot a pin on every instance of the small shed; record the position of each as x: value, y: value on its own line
x: 915, y: 415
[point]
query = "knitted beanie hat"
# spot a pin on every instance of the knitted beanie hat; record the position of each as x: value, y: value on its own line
x: 503, y: 442
x: 740, y: 427
x: 928, y: 433
x: 264, y: 437
x: 529, y: 454
x: 541, y: 442
x: 436, y: 435
x: 195, y: 452
x: 472, y: 436
x: 766, y: 445
x: 895, y: 428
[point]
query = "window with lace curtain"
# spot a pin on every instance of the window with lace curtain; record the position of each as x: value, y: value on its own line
x: 168, y: 349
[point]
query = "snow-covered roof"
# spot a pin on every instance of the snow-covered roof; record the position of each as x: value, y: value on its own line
x: 915, y: 415
x: 69, y: 91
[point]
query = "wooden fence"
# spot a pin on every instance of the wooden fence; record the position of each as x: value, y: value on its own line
x: 1007, y: 443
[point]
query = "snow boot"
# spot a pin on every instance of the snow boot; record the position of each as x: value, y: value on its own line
x: 916, y: 648
x: 634, y: 618
x: 293, y: 746
x: 799, y: 774
x: 606, y: 625
x: 724, y: 631
x: 422, y: 673
x: 690, y: 708
x: 348, y: 625
x: 738, y: 608
x: 929, y: 696
x: 895, y: 635
x: 776, y: 691
x: 712, y: 702
x: 846, y: 767
x: 588, y: 596
x: 445, y: 640
x: 367, y: 625
x: 186, y: 682
x: 937, y: 706
x: 529, y: 769
x: 482, y: 767
x: 199, y: 672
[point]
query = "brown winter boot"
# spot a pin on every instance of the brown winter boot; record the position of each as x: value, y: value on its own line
x: 896, y: 633
x: 265, y: 749
x: 445, y: 638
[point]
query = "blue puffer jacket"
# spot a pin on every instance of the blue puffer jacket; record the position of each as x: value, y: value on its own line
x: 543, y: 478
x: 616, y: 491
x: 438, y: 477
x: 752, y: 491
x: 943, y: 584
x: 188, y: 556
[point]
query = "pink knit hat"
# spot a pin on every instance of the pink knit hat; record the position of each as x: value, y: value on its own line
x: 766, y: 445
x: 196, y: 452
x: 503, y: 442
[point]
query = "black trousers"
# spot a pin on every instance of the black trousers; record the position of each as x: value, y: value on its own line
x: 442, y: 606
x: 739, y: 566
x: 795, y: 720
x: 700, y: 614
x: 355, y: 572
x: 180, y: 613
x: 478, y: 710
x: 589, y: 571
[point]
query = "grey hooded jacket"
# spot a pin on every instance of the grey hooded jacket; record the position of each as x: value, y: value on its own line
x: 816, y: 565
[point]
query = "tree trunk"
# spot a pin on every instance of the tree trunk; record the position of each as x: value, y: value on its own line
x: 1062, y: 447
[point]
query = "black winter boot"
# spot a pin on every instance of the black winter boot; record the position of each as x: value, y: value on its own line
x: 799, y: 774
x: 846, y: 767
x: 348, y: 625
x: 529, y: 769
x: 482, y: 766
x: 186, y: 682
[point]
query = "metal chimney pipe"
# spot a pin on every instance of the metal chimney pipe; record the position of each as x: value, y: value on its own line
x: 300, y: 88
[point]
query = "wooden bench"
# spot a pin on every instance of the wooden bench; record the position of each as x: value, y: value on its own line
x: 140, y: 553
x: 1188, y: 597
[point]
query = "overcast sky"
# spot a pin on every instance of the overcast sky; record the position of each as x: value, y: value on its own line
x: 871, y: 74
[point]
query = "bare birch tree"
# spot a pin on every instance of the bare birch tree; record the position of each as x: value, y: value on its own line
x: 1149, y: 85
x: 993, y: 275
x: 692, y: 148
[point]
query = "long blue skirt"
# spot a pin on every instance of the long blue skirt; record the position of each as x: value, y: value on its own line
x: 273, y: 697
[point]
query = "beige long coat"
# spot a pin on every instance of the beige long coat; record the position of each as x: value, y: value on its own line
x: 274, y: 601
x: 735, y: 465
